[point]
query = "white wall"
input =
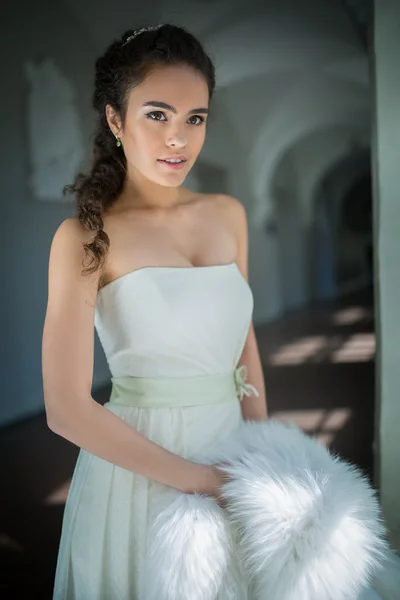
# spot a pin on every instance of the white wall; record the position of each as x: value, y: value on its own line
x: 387, y: 258
x: 46, y: 29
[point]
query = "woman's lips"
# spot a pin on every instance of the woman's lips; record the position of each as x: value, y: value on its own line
x: 173, y: 166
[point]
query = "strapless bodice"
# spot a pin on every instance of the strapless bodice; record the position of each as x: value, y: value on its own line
x: 174, y: 321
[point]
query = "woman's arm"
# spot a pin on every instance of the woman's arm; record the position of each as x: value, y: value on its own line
x: 67, y: 370
x: 253, y: 407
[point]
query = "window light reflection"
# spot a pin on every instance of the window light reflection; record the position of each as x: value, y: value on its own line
x: 6, y: 542
x: 336, y: 348
x: 59, y: 495
x: 321, y: 423
x: 299, y: 351
x: 359, y: 348
x: 350, y: 315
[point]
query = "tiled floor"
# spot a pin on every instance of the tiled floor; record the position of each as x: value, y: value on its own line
x: 319, y: 372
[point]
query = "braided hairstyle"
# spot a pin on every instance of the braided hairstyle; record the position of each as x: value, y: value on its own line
x: 124, y: 65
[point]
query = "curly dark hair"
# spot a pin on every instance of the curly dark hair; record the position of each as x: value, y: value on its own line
x: 124, y: 65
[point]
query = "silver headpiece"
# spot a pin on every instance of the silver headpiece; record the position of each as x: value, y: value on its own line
x: 131, y: 37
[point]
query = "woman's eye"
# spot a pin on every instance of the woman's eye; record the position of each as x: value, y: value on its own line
x: 201, y: 119
x: 156, y: 112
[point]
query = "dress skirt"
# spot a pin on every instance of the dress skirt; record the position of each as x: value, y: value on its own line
x: 102, y: 551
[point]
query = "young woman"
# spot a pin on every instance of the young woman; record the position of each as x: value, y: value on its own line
x: 166, y: 288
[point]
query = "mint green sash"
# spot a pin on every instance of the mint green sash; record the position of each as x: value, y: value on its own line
x: 178, y: 391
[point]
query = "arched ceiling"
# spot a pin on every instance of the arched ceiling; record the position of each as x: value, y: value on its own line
x: 305, y: 157
x: 343, y: 173
x: 326, y: 85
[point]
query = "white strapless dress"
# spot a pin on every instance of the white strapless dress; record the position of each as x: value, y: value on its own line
x: 152, y: 322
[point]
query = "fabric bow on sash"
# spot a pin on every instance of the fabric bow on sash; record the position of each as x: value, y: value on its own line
x: 243, y: 388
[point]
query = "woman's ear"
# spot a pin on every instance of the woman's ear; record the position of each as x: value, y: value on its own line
x: 113, y: 119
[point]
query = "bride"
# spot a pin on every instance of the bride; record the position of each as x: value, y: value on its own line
x: 161, y: 273
x: 166, y: 288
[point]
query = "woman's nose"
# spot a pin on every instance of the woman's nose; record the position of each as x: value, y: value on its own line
x: 176, y: 137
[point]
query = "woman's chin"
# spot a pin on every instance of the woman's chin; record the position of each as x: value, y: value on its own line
x: 172, y: 184
x: 171, y: 179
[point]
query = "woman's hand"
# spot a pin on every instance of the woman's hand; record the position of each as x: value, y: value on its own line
x: 217, y: 479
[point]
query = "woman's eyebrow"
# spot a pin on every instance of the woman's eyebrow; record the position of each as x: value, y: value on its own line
x: 158, y: 104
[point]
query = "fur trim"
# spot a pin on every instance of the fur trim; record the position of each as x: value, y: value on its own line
x: 311, y: 522
x: 191, y: 543
x: 299, y: 524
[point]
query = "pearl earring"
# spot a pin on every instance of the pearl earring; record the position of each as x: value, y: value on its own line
x: 118, y: 141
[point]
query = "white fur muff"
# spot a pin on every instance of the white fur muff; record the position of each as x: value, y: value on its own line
x: 299, y: 524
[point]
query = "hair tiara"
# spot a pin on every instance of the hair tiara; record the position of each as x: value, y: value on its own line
x: 139, y: 31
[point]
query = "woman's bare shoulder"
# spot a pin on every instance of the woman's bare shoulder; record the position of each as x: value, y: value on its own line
x: 228, y: 208
x: 72, y: 230
x: 67, y: 257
